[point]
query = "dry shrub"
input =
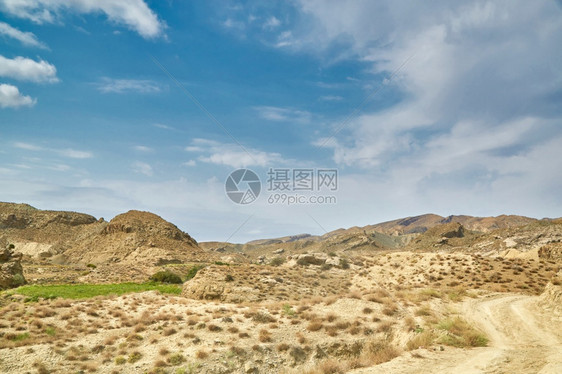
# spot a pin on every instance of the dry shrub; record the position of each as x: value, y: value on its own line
x: 379, y: 352
x: 169, y: 331
x: 329, y: 366
x: 410, y: 323
x: 424, y: 339
x: 314, y: 325
x: 265, y: 336
x: 201, y: 354
x: 262, y: 317
x: 214, y: 328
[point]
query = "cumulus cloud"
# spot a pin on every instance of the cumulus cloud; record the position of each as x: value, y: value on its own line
x: 120, y: 86
x: 472, y: 68
x: 232, y: 155
x: 134, y: 14
x: 25, y: 69
x: 26, y: 38
x: 10, y: 97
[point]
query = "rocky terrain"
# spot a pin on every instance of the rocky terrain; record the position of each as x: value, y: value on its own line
x: 416, y: 295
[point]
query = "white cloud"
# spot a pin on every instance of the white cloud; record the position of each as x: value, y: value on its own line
x: 331, y: 98
x: 143, y: 148
x: 232, y: 155
x: 190, y: 163
x: 26, y: 38
x: 26, y: 69
x: 10, y: 97
x: 119, y: 86
x: 59, y: 167
x: 73, y: 153
x: 230, y: 23
x: 162, y: 126
x: 67, y: 152
x: 286, y: 39
x: 135, y: 14
x: 278, y: 114
x: 272, y: 23
x: 28, y: 146
x: 142, y: 168
x: 477, y: 66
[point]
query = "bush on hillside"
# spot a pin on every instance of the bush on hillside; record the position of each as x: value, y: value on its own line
x: 166, y: 276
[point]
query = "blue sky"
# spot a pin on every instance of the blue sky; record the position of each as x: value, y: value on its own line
x: 440, y: 107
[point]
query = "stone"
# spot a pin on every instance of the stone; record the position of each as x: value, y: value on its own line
x: 11, y: 271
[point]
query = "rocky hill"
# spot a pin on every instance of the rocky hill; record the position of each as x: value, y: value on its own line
x: 135, y: 237
x: 71, y: 238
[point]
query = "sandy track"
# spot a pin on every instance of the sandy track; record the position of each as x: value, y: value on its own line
x: 523, y: 339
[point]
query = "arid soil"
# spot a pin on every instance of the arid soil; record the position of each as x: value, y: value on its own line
x: 523, y: 339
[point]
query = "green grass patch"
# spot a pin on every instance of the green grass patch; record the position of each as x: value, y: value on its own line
x: 18, y: 337
x: 288, y: 310
x: 85, y: 291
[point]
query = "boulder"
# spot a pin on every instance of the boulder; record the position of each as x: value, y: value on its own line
x: 11, y: 271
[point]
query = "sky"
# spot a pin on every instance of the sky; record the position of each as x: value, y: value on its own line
x: 419, y: 107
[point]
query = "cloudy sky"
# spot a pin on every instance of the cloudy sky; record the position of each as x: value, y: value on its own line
x: 443, y: 107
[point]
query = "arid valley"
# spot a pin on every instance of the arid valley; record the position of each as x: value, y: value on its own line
x: 423, y: 294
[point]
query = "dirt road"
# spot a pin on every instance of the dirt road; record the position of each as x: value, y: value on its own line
x: 523, y: 339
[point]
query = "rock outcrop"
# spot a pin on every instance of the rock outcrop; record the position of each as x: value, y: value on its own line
x: 551, y: 299
x: 11, y: 271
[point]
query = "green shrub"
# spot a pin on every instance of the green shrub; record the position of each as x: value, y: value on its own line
x: 288, y: 310
x: 277, y: 261
x: 166, y: 276
x: 134, y: 357
x: 18, y: 280
x: 220, y: 263
x: 193, y: 271
x: 326, y: 267
x: 176, y: 359
x: 120, y: 360
x: 91, y: 266
x: 229, y: 278
x: 344, y: 264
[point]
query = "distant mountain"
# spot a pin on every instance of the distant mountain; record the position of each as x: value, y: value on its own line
x: 386, y: 235
x: 420, y: 224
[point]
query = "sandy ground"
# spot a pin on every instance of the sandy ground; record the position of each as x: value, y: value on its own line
x: 523, y: 339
